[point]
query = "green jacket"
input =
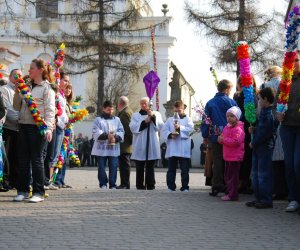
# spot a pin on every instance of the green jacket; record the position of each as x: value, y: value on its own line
x: 125, y: 117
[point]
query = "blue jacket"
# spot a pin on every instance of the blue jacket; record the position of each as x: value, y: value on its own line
x: 265, y: 130
x: 216, y: 109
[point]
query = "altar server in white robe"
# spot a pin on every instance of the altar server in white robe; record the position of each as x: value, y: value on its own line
x: 176, y: 132
x: 142, y: 121
x: 108, y: 132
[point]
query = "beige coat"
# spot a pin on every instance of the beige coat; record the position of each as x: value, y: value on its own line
x: 44, y: 97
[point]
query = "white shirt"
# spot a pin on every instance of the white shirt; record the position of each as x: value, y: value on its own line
x: 181, y: 146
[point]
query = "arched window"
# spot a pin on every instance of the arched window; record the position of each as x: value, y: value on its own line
x: 46, y: 8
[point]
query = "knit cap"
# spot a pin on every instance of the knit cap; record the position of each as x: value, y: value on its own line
x: 235, y: 111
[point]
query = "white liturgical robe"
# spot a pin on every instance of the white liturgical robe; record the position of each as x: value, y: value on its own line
x: 102, y: 147
x: 139, y: 140
x: 181, y: 146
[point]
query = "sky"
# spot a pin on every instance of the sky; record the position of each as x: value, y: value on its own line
x: 191, y: 53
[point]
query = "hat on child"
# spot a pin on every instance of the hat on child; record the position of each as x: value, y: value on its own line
x: 235, y: 111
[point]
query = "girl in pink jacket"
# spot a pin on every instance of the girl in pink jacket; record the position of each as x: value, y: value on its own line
x: 232, y: 138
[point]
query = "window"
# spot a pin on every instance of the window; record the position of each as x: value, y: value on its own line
x: 46, y: 8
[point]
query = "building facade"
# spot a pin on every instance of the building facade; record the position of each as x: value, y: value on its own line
x: 41, y: 21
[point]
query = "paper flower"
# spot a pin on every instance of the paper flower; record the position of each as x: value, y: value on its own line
x: 292, y: 35
x: 243, y: 56
x: 36, y: 115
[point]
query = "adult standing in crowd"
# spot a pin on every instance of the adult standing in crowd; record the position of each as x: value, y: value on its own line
x: 31, y: 142
x: 290, y: 136
x: 60, y: 179
x: 216, y: 109
x: 61, y: 118
x: 10, y: 131
x: 125, y: 114
x: 145, y: 126
x: 78, y: 145
x: 273, y: 77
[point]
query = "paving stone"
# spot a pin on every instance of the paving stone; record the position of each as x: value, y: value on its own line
x: 86, y: 217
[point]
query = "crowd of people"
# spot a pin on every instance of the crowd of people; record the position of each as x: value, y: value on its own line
x: 31, y: 154
x: 261, y: 158
x: 240, y: 157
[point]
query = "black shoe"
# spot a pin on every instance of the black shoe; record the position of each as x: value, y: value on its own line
x: 251, y: 203
x: 214, y: 192
x: 279, y: 197
x: 2, y: 190
x: 122, y: 187
x: 263, y: 205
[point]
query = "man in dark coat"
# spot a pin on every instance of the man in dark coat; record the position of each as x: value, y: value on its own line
x: 125, y: 114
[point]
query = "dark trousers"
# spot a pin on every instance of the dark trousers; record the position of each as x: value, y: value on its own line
x: 231, y: 177
x: 124, y: 169
x: 31, y: 146
x: 94, y: 160
x: 262, y: 174
x: 290, y: 136
x: 218, y: 166
x: 150, y: 179
x: 279, y: 181
x: 86, y: 158
x: 11, y: 147
x: 48, y: 155
x: 184, y: 164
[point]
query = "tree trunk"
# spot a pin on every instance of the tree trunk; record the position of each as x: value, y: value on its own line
x: 241, y: 30
x: 101, y: 59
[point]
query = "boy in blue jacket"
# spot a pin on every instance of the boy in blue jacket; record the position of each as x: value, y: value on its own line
x: 263, y: 145
x: 216, y: 109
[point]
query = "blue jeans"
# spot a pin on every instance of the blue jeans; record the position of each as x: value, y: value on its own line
x: 290, y: 136
x: 113, y: 167
x: 59, y: 136
x: 262, y: 174
x: 60, y: 179
x: 184, y: 164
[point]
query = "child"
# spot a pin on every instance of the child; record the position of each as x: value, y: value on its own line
x: 108, y: 132
x: 216, y: 109
x: 177, y: 135
x: 232, y: 139
x: 263, y: 144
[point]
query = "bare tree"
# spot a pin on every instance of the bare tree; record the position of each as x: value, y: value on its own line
x: 228, y: 21
x: 102, y: 37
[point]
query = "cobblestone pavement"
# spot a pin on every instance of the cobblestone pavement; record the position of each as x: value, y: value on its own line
x: 86, y: 217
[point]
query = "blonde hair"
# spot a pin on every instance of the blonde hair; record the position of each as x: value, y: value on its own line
x: 47, y: 71
x: 273, y: 71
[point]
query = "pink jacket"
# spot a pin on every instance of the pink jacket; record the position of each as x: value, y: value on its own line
x: 233, y: 142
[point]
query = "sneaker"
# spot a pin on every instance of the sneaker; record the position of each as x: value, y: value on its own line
x: 112, y: 188
x: 171, y: 190
x: 21, y: 197
x: 225, y: 198
x: 185, y: 190
x: 52, y: 186
x: 46, y: 187
x: 36, y: 198
x: 103, y: 187
x: 292, y: 206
